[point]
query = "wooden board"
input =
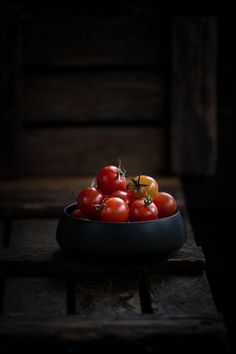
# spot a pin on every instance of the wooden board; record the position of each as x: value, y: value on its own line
x: 175, y: 295
x: 83, y: 151
x: 34, y: 233
x: 78, y: 97
x: 185, y: 335
x: 35, y: 297
x: 107, y: 296
x: 70, y: 40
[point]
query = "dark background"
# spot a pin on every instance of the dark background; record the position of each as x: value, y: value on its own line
x: 210, y: 200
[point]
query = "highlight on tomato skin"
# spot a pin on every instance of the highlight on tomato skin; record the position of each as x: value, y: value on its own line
x: 166, y: 204
x: 143, y: 186
x: 114, y: 210
x: 111, y: 179
x: 87, y: 200
x: 142, y: 210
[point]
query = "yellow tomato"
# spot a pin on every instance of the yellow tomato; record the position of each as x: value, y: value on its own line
x: 144, y: 187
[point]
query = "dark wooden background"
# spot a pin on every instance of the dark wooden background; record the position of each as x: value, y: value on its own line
x: 82, y: 88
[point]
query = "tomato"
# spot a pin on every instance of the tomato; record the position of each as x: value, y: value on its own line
x: 111, y: 179
x: 142, y: 210
x: 77, y: 213
x: 114, y: 210
x: 144, y: 186
x: 126, y: 195
x: 166, y: 204
x: 87, y: 200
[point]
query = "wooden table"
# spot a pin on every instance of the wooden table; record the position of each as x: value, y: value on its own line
x: 52, y: 302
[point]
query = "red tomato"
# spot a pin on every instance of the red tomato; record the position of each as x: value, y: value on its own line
x: 110, y: 179
x: 142, y: 210
x: 114, y: 210
x: 166, y: 204
x: 77, y: 213
x: 87, y: 200
x: 126, y: 195
x: 144, y: 186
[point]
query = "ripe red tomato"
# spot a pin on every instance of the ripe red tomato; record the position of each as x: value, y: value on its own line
x: 114, y: 210
x: 142, y: 210
x: 166, y: 204
x: 110, y: 179
x: 77, y: 213
x: 144, y: 186
x: 87, y: 200
x: 126, y: 195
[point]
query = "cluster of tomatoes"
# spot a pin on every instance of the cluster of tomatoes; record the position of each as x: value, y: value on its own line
x: 115, y: 199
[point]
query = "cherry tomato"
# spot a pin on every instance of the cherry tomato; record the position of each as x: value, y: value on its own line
x: 166, y: 204
x: 110, y: 179
x: 144, y: 186
x: 142, y: 210
x: 126, y: 195
x: 77, y: 213
x: 87, y: 200
x: 114, y: 210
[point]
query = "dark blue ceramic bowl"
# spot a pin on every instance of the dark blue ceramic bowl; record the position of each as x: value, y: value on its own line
x: 158, y: 238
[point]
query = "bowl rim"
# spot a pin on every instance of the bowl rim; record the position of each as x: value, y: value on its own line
x: 100, y: 222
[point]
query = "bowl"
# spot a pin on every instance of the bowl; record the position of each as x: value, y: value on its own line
x: 157, y: 238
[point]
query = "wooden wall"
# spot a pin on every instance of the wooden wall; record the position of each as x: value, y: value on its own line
x: 83, y: 88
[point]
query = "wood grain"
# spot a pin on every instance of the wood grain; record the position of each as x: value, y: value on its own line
x: 34, y: 297
x: 175, y: 295
x: 95, y: 97
x: 167, y: 334
x: 194, y: 96
x: 83, y: 151
x: 107, y: 296
x: 33, y: 233
x: 71, y: 40
x: 43, y: 261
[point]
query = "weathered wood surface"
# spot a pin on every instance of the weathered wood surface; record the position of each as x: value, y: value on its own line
x: 70, y: 40
x: 82, y: 151
x: 194, y: 96
x: 200, y: 334
x: 48, y: 196
x: 181, y: 295
x: 107, y: 296
x: 34, y: 297
x: 83, y: 97
x: 36, y: 261
x: 33, y: 233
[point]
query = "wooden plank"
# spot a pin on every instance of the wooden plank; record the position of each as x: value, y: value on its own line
x: 39, y: 261
x: 194, y: 98
x: 71, y: 40
x: 181, y: 295
x: 33, y: 233
x: 107, y: 296
x: 166, y: 335
x: 92, y: 96
x: 34, y: 297
x: 10, y: 129
x: 88, y: 149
